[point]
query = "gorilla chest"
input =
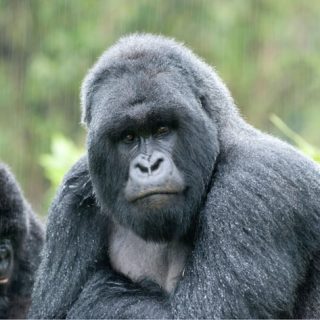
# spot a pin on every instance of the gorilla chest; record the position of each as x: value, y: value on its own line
x: 138, y: 259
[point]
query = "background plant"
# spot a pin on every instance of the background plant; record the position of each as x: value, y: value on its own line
x: 267, y: 51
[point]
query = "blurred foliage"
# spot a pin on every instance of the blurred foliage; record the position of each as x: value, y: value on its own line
x: 64, y: 153
x: 303, y: 145
x: 267, y: 51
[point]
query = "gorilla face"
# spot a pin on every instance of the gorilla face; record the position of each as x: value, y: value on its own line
x: 153, y: 179
x: 6, y: 261
x: 151, y: 153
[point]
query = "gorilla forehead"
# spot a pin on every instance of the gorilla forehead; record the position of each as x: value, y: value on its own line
x: 140, y: 96
x: 132, y: 63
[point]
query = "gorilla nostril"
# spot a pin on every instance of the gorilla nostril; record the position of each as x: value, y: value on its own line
x: 156, y: 165
x: 142, y: 168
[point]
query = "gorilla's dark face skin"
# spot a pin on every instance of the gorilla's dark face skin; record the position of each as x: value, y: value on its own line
x: 6, y: 262
x: 150, y: 178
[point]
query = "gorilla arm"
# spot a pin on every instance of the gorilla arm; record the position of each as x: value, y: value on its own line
x: 259, y: 227
x: 111, y: 296
x: 73, y: 239
x: 307, y: 306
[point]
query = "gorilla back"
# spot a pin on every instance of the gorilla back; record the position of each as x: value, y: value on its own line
x: 21, y: 239
x: 180, y: 208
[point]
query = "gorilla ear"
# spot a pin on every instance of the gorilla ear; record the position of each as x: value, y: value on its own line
x: 85, y: 100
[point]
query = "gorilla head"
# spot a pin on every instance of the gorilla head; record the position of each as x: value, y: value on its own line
x: 21, y: 239
x: 142, y: 120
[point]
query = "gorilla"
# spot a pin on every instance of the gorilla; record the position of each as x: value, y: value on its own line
x: 180, y: 209
x: 21, y: 240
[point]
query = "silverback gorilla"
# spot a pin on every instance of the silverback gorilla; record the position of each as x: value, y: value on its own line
x: 180, y: 208
x: 21, y: 239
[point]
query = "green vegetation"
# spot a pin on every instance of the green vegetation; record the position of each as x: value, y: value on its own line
x: 64, y: 153
x: 302, y: 144
x: 267, y: 51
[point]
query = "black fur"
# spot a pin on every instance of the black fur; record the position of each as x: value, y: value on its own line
x: 18, y: 225
x: 252, y: 215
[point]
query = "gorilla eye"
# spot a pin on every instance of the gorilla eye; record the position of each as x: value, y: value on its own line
x: 163, y: 130
x: 129, y: 137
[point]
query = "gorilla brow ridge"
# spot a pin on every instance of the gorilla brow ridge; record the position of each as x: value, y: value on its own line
x: 120, y: 124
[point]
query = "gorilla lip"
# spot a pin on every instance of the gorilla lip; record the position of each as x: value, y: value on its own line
x: 152, y: 193
x: 4, y: 280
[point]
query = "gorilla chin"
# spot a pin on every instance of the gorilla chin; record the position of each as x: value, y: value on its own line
x: 158, y: 217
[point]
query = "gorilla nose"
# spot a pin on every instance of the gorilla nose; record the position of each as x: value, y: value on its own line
x: 149, y: 166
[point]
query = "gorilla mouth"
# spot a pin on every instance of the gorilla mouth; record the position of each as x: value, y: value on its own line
x: 5, y: 270
x: 4, y: 280
x: 153, y: 193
